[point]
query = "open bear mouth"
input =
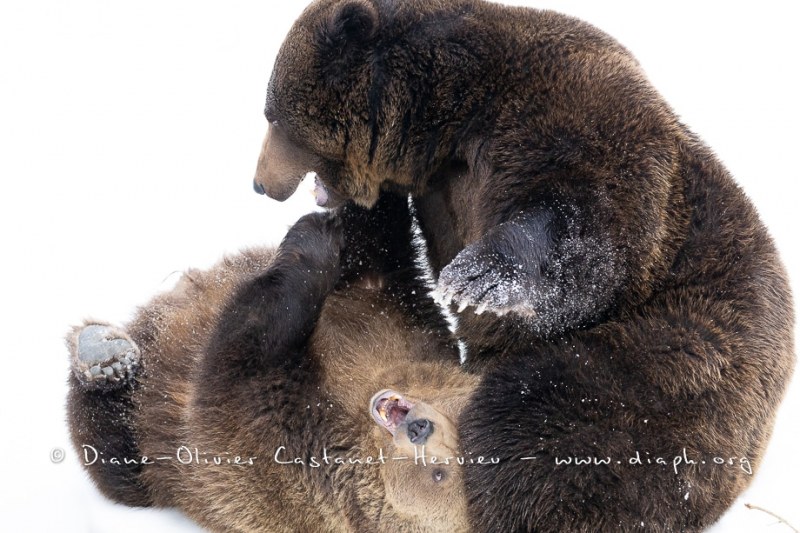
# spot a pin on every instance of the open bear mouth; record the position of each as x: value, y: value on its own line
x: 325, y: 195
x: 390, y: 409
x: 321, y: 194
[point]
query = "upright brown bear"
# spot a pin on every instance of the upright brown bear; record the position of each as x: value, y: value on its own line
x: 251, y: 387
x: 639, y: 313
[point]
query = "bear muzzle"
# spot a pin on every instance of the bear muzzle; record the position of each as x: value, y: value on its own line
x: 282, y: 165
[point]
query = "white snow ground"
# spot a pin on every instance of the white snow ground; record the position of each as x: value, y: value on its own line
x: 128, y: 138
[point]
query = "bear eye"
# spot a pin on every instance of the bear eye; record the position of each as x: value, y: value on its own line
x: 439, y: 475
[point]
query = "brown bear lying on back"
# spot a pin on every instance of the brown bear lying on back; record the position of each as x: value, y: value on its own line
x: 327, y: 347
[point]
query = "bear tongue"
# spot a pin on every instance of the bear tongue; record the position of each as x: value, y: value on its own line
x: 320, y: 192
x: 397, y: 414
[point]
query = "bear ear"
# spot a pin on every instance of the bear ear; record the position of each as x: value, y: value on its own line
x: 350, y: 24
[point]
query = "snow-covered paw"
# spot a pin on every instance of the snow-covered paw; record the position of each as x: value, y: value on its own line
x: 485, y: 281
x: 102, y: 356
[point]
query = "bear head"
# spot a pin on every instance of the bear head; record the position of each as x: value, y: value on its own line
x: 422, y: 477
x: 368, y: 96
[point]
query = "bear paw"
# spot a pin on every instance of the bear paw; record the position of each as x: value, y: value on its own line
x: 316, y: 241
x: 485, y: 281
x: 102, y: 356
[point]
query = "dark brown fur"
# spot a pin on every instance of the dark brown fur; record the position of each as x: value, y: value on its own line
x: 651, y: 312
x: 202, y: 385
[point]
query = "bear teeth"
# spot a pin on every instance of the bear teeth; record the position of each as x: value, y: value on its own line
x: 385, y: 405
x: 390, y: 410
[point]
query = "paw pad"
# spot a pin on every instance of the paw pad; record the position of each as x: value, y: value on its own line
x: 102, y: 356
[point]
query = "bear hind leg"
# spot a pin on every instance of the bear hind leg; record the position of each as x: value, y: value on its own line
x: 104, y: 361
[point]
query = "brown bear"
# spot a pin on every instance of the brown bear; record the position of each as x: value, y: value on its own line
x: 303, y: 389
x: 637, y: 307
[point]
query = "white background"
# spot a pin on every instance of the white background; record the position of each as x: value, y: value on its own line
x: 128, y: 139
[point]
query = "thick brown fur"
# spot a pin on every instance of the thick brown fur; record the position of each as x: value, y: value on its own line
x: 635, y: 300
x: 261, y: 351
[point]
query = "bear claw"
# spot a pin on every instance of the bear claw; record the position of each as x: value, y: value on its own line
x: 102, y: 356
x: 485, y: 283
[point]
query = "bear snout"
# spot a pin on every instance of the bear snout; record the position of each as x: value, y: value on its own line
x: 419, y: 430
